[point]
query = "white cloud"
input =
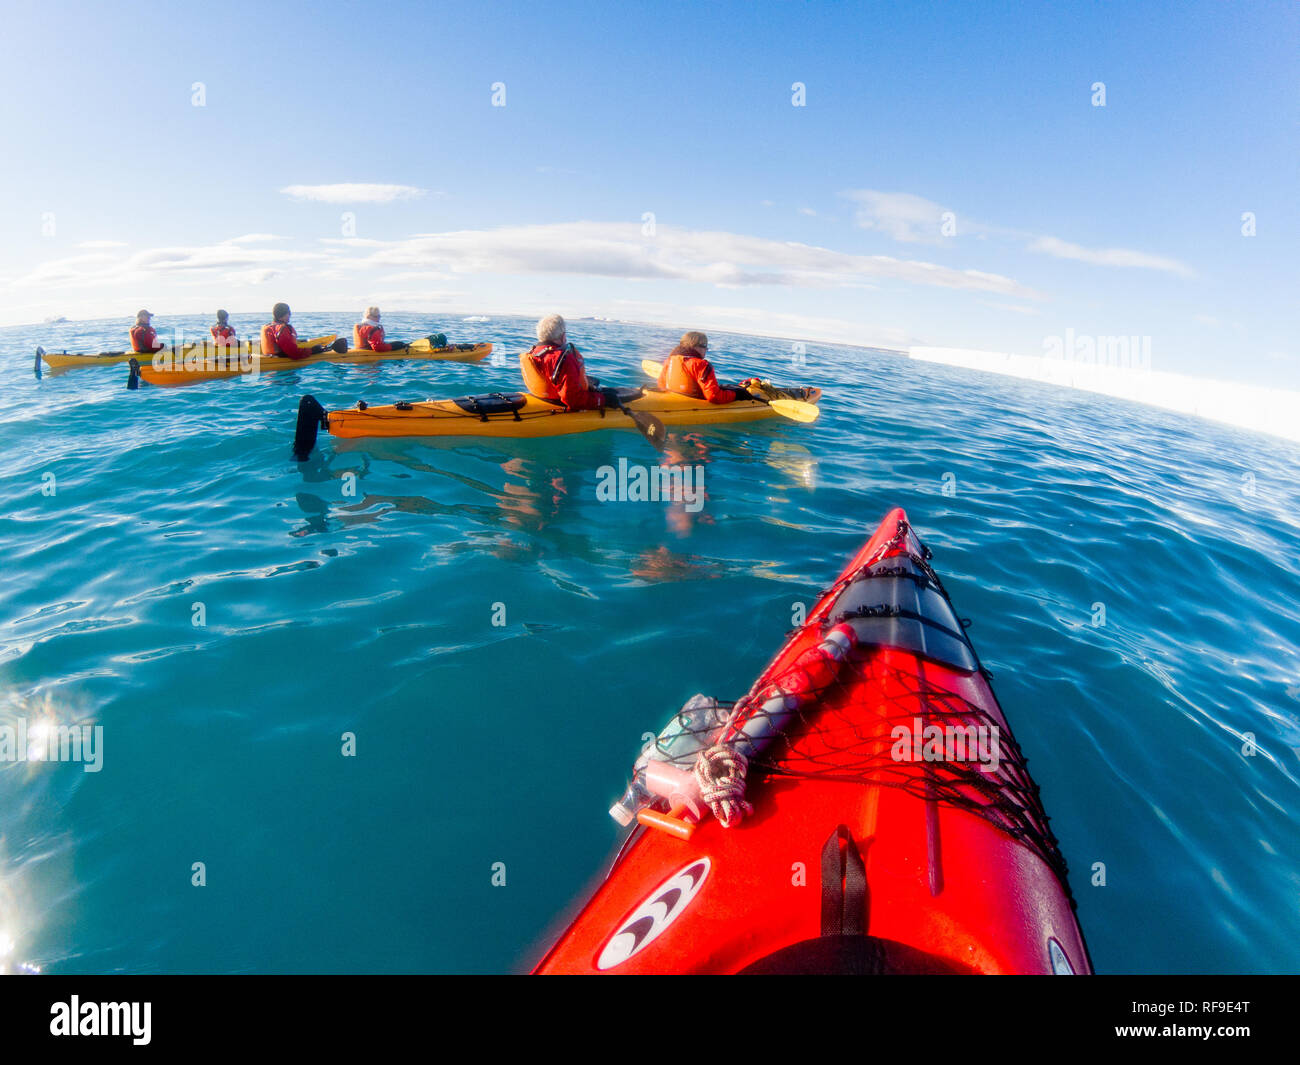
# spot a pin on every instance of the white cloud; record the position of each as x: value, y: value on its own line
x: 397, y: 299
x: 1109, y: 256
x: 416, y: 275
x: 256, y: 276
x: 610, y: 249
x: 913, y: 219
x: 907, y: 218
x: 73, y: 268
x: 105, y: 268
x: 102, y: 244
x: 1014, y: 308
x: 354, y: 193
x: 808, y: 211
x: 762, y: 321
x: 255, y: 238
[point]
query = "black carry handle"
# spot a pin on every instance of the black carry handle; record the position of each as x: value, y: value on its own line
x: 844, y: 886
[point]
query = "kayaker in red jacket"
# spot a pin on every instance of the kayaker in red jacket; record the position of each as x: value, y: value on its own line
x: 553, y: 370
x: 280, y: 338
x: 144, y: 341
x: 687, y: 371
x: 223, y: 332
x: 368, y: 334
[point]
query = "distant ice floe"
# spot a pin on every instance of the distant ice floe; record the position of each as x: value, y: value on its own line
x: 477, y: 318
x: 1264, y: 410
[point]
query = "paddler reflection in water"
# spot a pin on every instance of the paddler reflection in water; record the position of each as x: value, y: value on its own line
x: 553, y: 370
x: 688, y: 372
x: 144, y: 341
x: 280, y: 338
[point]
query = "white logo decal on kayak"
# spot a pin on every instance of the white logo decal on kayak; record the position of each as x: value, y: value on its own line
x: 1060, y: 963
x: 657, y: 911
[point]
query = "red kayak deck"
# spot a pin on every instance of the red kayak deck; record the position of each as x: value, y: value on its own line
x: 861, y: 854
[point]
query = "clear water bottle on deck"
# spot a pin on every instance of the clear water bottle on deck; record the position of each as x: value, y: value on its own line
x: 692, y: 729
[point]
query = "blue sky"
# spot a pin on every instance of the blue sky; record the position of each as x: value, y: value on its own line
x: 820, y: 222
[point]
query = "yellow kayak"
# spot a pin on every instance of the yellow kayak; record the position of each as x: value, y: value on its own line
x: 62, y: 360
x: 518, y: 415
x: 195, y: 367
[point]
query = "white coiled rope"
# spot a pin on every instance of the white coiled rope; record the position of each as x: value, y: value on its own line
x: 720, y: 773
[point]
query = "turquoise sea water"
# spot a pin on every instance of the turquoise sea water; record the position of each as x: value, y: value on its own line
x: 365, y: 604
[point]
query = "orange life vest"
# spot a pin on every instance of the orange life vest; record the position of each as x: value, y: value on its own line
x: 368, y: 337
x: 269, y: 346
x: 674, y: 377
x: 535, y: 378
x: 143, y: 339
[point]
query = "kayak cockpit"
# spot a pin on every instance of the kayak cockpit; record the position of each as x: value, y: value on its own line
x: 841, y: 955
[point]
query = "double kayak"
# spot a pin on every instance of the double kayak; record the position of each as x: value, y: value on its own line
x: 191, y: 368
x: 863, y: 809
x: 520, y: 415
x: 199, y: 350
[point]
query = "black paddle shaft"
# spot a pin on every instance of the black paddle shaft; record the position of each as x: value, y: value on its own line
x: 650, y: 426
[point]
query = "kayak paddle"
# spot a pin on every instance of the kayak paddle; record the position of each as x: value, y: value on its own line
x: 650, y: 426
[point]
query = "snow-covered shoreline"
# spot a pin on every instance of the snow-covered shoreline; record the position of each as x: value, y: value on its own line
x: 1247, y: 406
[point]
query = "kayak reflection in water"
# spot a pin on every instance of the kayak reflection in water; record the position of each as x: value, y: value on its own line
x: 554, y: 371
x: 144, y: 341
x: 223, y: 332
x: 688, y: 372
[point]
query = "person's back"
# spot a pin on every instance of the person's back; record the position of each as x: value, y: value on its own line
x: 688, y: 372
x: 368, y: 334
x: 223, y: 332
x: 553, y: 369
x: 280, y: 338
x: 144, y: 341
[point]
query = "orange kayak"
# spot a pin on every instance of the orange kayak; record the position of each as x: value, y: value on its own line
x: 203, y: 366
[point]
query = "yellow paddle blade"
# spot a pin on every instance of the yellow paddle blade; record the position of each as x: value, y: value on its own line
x: 311, y: 342
x: 651, y: 367
x: 796, y: 409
